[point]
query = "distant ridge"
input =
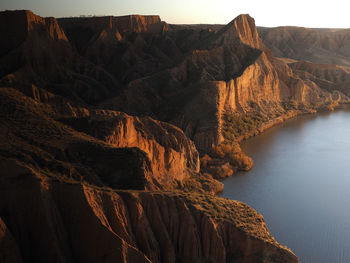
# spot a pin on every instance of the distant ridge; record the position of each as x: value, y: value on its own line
x: 326, y: 46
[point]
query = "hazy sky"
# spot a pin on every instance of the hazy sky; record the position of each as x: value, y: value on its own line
x: 308, y: 13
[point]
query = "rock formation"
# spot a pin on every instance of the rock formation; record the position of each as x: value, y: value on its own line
x: 45, y: 220
x: 329, y: 77
x: 103, y: 121
x: 323, y: 46
x: 58, y: 193
x: 172, y: 155
x: 114, y: 150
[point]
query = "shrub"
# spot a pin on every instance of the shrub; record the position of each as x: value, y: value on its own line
x: 291, y: 105
x: 235, y: 125
x: 233, y: 154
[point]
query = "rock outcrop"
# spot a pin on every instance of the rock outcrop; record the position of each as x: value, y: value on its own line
x: 172, y: 155
x: 57, y: 221
x: 23, y: 25
x: 58, y: 193
x: 105, y: 148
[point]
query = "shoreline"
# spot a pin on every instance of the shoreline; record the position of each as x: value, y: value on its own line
x: 288, y: 116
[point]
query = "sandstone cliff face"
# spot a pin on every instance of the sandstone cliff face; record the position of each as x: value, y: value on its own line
x: 130, y: 226
x: 266, y: 80
x: 105, y: 147
x: 29, y: 43
x: 58, y: 193
x: 260, y: 82
x: 243, y: 29
x: 23, y: 24
x: 31, y: 135
x: 172, y: 155
x: 138, y: 23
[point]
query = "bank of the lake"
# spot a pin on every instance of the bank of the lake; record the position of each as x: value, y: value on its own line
x: 300, y: 182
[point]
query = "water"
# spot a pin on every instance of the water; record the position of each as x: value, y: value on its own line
x: 300, y: 182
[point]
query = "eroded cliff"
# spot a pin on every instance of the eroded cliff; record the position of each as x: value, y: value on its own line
x: 101, y: 119
x: 62, y: 221
x: 58, y: 192
x: 318, y: 45
x: 105, y: 148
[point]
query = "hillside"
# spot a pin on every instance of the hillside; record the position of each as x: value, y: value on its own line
x: 116, y: 129
x: 319, y: 55
x: 323, y: 46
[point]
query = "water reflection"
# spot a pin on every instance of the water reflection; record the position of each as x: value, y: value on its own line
x: 300, y: 182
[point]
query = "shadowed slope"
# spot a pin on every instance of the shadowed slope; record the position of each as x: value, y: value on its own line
x: 62, y: 221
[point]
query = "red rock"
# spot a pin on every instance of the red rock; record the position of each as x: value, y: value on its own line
x: 53, y: 220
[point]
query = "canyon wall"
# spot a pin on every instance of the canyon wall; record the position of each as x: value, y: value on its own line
x: 103, y: 121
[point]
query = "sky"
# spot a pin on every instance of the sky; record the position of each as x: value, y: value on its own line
x: 270, y: 13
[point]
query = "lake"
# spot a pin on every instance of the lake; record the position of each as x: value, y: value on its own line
x: 300, y: 183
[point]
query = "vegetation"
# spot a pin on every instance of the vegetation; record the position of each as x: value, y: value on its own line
x: 233, y: 154
x: 236, y: 125
x: 291, y: 105
x: 332, y: 105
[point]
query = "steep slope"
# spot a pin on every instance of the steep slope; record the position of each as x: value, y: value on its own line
x: 128, y: 47
x: 121, y: 152
x: 323, y: 46
x: 57, y: 221
x: 172, y: 155
x: 327, y: 76
x: 24, y: 24
x: 229, y: 72
x: 37, y: 51
x: 58, y: 196
x: 85, y: 170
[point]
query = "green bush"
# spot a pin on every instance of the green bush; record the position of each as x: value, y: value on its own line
x: 236, y: 125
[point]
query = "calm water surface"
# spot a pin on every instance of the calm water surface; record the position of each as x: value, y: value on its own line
x: 300, y: 182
